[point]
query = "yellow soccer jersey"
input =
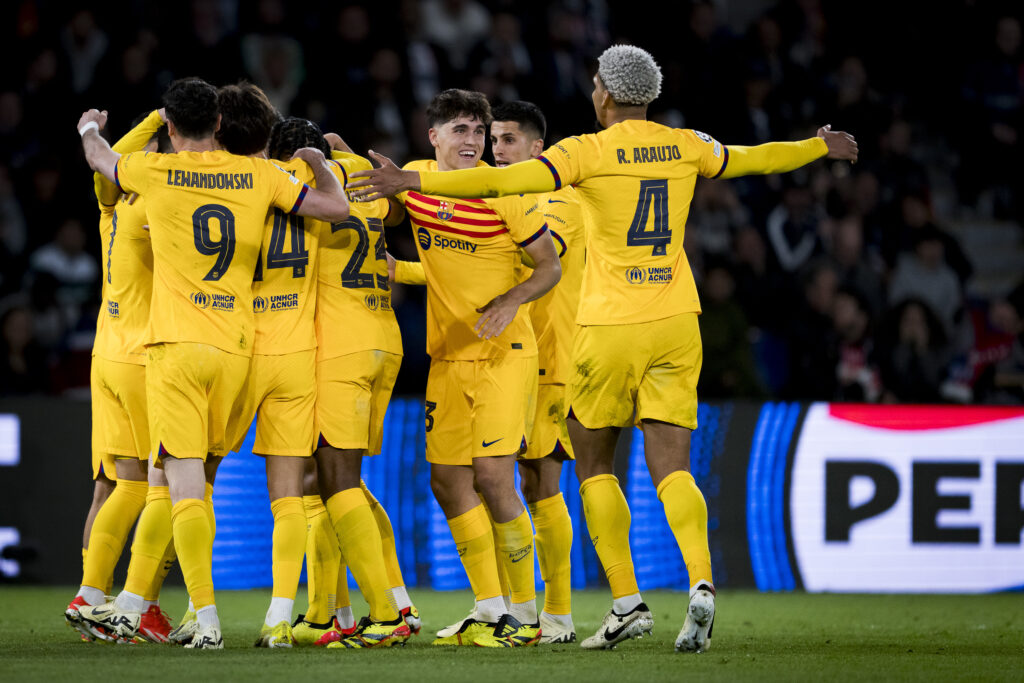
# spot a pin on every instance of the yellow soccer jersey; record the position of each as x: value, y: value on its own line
x: 284, y: 287
x: 354, y: 296
x: 206, y: 216
x: 635, y: 181
x: 554, y: 314
x: 469, y: 250
x: 127, y: 281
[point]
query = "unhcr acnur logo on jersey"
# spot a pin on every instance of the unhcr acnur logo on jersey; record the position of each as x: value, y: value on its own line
x: 636, y: 275
x: 259, y: 304
x: 201, y: 299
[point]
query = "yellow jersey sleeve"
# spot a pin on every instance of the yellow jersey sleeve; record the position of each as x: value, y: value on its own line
x: 772, y: 157
x: 286, y: 191
x: 566, y: 161
x: 351, y: 162
x: 133, y: 141
x: 132, y: 172
x: 526, y: 177
x: 522, y: 215
x: 410, y: 273
x: 709, y: 154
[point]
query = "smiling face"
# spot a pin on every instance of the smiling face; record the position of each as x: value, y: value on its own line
x: 458, y: 143
x: 511, y: 144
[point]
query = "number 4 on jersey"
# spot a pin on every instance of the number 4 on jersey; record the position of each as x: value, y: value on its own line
x: 653, y: 193
x: 288, y: 228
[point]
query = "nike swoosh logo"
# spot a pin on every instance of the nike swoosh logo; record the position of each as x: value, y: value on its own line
x: 491, y: 443
x: 612, y: 635
x: 100, y: 613
x: 557, y: 201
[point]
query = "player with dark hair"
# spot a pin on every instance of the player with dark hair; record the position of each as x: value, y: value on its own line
x: 517, y: 134
x: 206, y: 212
x: 247, y: 117
x: 637, y: 354
x: 483, y: 374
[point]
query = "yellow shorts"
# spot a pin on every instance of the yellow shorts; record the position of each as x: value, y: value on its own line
x: 120, y: 424
x: 549, y: 436
x: 647, y: 369
x: 196, y: 397
x: 479, y: 408
x: 281, y: 394
x: 353, y: 392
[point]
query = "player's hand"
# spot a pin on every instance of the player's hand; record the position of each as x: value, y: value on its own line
x: 391, y: 265
x: 335, y: 142
x: 310, y: 155
x: 498, y: 314
x: 386, y: 181
x: 100, y: 117
x: 841, y: 145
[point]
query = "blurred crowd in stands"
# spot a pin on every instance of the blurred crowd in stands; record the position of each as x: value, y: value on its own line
x: 898, y: 279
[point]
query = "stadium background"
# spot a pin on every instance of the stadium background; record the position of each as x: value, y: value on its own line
x: 897, y: 280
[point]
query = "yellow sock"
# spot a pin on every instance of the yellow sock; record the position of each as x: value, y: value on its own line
x: 152, y: 537
x: 502, y: 574
x: 85, y: 555
x: 475, y: 542
x: 110, y: 530
x: 360, y: 543
x: 687, y: 515
x: 211, y: 517
x: 193, y: 541
x: 322, y: 558
x: 554, y: 542
x: 387, y: 538
x: 515, y: 541
x: 289, y: 545
x: 608, y: 523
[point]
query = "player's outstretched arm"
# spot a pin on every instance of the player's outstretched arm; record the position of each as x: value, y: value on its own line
x: 526, y: 177
x: 133, y: 141
x: 327, y: 202
x: 500, y: 311
x: 98, y: 154
x: 782, y: 157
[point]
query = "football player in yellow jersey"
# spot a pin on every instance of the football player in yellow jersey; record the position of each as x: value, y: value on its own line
x: 638, y: 348
x: 281, y: 377
x: 517, y: 134
x: 483, y: 373
x: 200, y: 344
x: 355, y: 373
x: 120, y: 425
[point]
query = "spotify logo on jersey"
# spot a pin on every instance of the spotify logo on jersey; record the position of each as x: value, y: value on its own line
x: 423, y: 235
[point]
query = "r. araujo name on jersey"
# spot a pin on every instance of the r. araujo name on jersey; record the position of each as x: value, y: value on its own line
x: 469, y: 249
x: 635, y: 181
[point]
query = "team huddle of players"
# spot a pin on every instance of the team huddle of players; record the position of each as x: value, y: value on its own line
x: 241, y: 277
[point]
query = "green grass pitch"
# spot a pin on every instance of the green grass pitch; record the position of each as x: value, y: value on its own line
x: 792, y: 637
